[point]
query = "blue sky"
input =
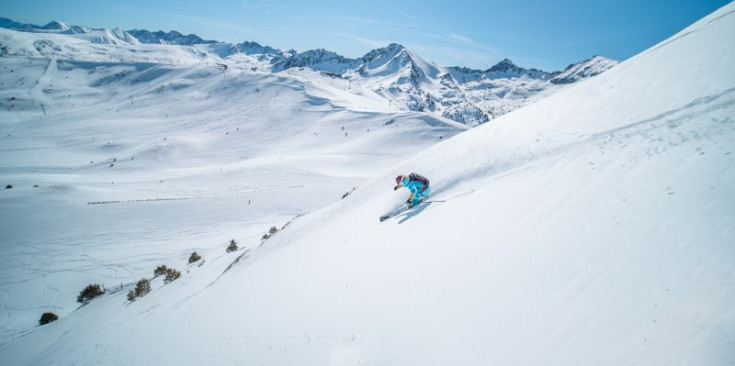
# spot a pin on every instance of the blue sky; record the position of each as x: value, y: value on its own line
x: 532, y: 33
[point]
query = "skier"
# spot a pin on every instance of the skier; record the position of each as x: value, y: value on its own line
x: 417, y: 184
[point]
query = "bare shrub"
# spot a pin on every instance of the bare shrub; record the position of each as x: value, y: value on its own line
x: 171, y: 275
x: 194, y: 257
x: 232, y: 247
x: 160, y: 271
x: 142, y: 288
x: 90, y: 292
x: 270, y: 232
x: 48, y: 318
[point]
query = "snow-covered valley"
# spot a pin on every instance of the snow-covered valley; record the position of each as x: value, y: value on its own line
x: 594, y: 226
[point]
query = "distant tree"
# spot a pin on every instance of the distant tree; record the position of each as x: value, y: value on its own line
x: 89, y: 293
x: 270, y: 232
x: 194, y: 257
x: 171, y: 275
x: 48, y: 318
x: 142, y: 288
x: 348, y: 193
x: 232, y: 247
x: 160, y: 271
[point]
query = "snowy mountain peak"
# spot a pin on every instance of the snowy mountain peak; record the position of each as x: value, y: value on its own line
x: 505, y: 66
x: 394, y: 59
x: 251, y: 48
x: 11, y: 24
x: 507, y: 69
x: 56, y: 25
x: 390, y: 51
x: 383, y: 55
x: 318, y: 59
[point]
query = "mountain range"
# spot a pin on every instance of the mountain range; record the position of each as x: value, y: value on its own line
x: 397, y: 74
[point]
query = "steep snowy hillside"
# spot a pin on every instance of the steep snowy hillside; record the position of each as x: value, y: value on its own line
x: 591, y: 228
x: 397, y: 75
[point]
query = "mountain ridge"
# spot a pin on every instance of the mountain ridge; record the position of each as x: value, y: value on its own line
x: 406, y: 80
x: 174, y: 37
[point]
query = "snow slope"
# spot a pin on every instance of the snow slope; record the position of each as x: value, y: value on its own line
x: 116, y: 166
x: 594, y: 227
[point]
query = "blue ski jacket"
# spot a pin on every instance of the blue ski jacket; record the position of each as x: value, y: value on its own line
x: 418, y: 190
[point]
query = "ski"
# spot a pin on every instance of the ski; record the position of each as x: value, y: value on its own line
x: 404, y: 208
x: 395, y: 212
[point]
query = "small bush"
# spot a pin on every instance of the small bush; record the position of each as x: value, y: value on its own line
x: 194, y: 257
x: 48, y: 318
x: 90, y: 292
x: 232, y: 247
x: 9, y: 186
x: 270, y: 232
x: 142, y: 288
x: 171, y: 275
x: 348, y: 193
x: 160, y: 271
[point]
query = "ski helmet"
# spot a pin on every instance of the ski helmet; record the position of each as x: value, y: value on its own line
x: 399, y: 179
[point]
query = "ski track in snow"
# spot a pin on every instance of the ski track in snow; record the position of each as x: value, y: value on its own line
x: 657, y: 139
x: 196, y: 197
x: 38, y: 92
